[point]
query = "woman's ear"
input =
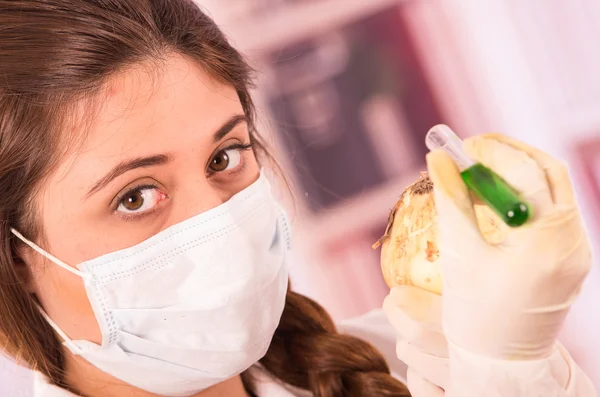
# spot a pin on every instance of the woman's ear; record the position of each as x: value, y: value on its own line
x: 23, y: 270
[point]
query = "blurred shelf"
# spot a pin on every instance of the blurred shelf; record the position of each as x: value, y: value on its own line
x: 296, y: 22
x: 356, y: 215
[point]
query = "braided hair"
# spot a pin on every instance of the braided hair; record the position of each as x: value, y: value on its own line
x: 307, y: 352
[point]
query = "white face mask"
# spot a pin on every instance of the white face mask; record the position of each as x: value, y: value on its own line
x: 194, y: 305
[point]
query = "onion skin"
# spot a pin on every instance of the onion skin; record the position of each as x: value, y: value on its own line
x: 409, y: 247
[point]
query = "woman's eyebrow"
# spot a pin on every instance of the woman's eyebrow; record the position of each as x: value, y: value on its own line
x: 128, y: 165
x: 229, y: 126
x: 159, y: 159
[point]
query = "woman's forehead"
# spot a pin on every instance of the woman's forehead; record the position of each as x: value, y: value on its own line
x: 143, y: 110
x: 178, y: 95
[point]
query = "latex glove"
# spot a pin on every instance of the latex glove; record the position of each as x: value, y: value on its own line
x: 416, y: 315
x: 509, y: 301
x: 556, y: 376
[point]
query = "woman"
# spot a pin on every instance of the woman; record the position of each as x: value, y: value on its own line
x: 143, y: 253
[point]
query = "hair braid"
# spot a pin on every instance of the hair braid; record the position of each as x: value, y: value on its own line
x: 307, y: 352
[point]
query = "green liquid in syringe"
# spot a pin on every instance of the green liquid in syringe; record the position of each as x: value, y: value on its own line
x: 497, y: 194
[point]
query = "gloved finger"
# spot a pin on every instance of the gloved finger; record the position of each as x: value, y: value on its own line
x: 433, y: 369
x: 557, y: 171
x: 452, y: 200
x: 419, y: 387
x: 516, y: 167
x: 416, y: 315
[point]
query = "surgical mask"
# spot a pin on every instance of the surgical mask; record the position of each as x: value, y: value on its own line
x: 194, y: 305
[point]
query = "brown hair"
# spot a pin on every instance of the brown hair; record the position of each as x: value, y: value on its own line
x: 56, y: 53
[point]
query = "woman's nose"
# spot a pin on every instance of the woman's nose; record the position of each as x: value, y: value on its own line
x: 195, y: 196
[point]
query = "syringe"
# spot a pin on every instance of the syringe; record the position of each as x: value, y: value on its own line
x: 485, y: 183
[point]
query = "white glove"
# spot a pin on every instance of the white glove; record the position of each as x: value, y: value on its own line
x: 416, y: 315
x: 509, y: 301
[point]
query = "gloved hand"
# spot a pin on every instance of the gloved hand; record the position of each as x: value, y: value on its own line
x: 508, y: 302
x: 416, y: 315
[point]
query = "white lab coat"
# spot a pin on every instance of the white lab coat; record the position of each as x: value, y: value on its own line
x: 372, y: 327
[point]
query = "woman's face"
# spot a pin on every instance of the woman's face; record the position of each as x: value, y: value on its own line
x: 164, y: 146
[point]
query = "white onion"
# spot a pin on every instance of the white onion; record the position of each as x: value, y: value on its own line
x: 409, y: 253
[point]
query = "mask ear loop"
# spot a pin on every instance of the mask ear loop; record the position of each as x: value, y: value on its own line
x: 68, y: 342
x: 47, y: 255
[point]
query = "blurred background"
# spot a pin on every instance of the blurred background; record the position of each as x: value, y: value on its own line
x: 347, y: 90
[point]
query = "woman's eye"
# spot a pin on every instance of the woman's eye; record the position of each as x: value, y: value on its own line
x: 227, y: 159
x: 139, y: 200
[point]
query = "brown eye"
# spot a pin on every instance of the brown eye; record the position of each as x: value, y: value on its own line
x: 133, y: 201
x: 140, y: 200
x: 220, y: 162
